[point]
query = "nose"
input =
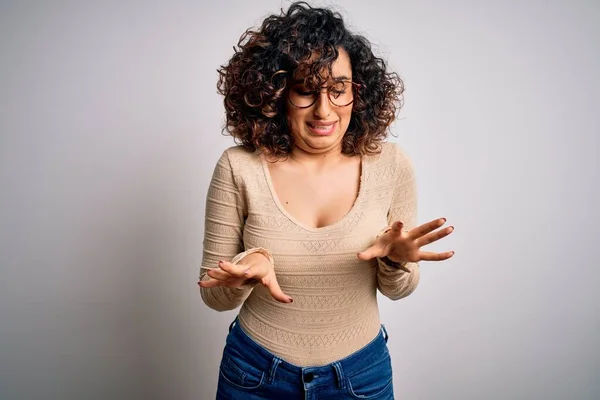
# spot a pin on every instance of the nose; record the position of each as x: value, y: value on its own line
x: 322, y: 105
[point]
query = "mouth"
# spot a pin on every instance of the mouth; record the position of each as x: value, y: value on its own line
x: 322, y: 127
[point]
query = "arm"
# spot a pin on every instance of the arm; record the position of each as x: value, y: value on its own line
x: 223, y: 228
x: 393, y: 282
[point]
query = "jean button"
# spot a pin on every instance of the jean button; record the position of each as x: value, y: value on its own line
x: 308, y: 377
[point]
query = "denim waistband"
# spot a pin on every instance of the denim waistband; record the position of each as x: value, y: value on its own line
x: 336, y: 371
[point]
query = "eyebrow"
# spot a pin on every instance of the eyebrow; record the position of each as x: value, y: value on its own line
x: 335, y: 78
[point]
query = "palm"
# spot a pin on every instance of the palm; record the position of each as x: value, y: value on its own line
x: 253, y: 267
x: 405, y: 246
x: 397, y: 245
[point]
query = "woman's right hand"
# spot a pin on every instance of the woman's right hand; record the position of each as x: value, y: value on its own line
x: 254, y: 266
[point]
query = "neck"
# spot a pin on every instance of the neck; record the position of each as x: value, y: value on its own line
x: 317, y: 161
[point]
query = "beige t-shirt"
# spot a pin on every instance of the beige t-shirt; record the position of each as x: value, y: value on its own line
x: 335, y: 310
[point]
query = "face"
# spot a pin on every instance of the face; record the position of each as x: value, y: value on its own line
x: 320, y: 128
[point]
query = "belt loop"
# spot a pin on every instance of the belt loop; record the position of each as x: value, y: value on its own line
x: 340, y: 375
x: 385, y: 334
x: 274, y: 364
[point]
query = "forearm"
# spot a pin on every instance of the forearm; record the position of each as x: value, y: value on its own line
x: 395, y: 283
x: 222, y: 298
x: 224, y: 222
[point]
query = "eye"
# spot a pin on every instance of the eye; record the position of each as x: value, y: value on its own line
x: 337, y: 93
x: 303, y: 92
x: 339, y: 87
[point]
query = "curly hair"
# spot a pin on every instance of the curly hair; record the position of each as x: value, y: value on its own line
x: 255, y: 81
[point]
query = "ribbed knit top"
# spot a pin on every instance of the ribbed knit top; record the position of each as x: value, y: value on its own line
x: 335, y: 311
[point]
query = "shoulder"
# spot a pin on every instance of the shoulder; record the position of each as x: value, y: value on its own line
x: 241, y: 163
x: 238, y: 157
x: 394, y: 150
x: 396, y: 162
x: 237, y: 153
x: 393, y: 156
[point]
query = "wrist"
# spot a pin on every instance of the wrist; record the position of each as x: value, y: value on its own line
x: 395, y: 259
x: 395, y: 264
x: 254, y: 258
x: 255, y: 254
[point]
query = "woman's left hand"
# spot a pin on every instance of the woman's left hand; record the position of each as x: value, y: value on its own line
x: 405, y: 246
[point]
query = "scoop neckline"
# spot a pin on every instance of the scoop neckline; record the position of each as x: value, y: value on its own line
x: 283, y: 211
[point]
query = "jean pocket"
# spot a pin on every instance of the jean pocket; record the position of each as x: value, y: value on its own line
x: 240, y: 374
x: 374, y: 382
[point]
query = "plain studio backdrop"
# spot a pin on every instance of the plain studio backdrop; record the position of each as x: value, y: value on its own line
x: 110, y: 129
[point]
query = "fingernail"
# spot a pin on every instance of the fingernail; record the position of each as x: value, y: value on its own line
x: 444, y: 219
x: 220, y: 262
x: 290, y: 300
x: 199, y: 283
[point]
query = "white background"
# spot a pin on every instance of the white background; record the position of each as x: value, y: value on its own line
x: 110, y: 128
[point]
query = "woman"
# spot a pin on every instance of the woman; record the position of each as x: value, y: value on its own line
x: 311, y: 214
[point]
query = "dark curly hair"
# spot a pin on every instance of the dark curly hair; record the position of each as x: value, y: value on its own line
x: 255, y: 81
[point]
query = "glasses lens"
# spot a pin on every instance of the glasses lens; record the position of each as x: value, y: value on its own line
x: 301, y: 97
x: 340, y: 94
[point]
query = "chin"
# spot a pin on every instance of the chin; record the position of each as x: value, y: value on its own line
x: 321, y: 142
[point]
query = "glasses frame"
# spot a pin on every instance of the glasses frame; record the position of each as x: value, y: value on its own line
x: 355, y: 87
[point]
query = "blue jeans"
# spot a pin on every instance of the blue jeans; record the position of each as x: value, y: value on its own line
x: 249, y: 371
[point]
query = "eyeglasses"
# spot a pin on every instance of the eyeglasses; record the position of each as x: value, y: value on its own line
x: 340, y: 94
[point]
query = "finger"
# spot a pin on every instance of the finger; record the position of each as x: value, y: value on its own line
x: 220, y: 275
x: 434, y: 236
x: 210, y: 283
x: 370, y: 253
x: 253, y: 272
x: 427, y: 227
x: 236, y: 270
x: 276, y: 291
x: 397, y: 227
x: 429, y: 256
